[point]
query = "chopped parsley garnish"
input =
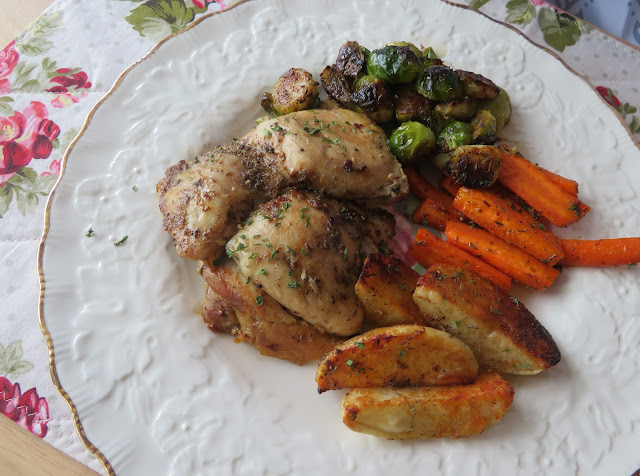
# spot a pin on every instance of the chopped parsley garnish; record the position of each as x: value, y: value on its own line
x: 402, y: 353
x: 89, y: 233
x: 263, y: 272
x: 349, y: 363
x: 196, y: 159
x: 458, y: 323
x: 259, y: 300
x: 575, y: 209
x: 293, y: 284
x: 134, y: 188
x: 121, y: 240
x: 359, y: 345
x: 267, y: 133
x: 515, y: 300
x: 495, y: 311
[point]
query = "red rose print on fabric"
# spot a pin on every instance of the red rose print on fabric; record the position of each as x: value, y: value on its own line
x: 608, y: 95
x: 69, y: 88
x: 28, y: 409
x: 8, y: 59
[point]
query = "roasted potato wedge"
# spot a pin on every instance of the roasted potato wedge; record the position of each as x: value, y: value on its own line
x: 500, y: 330
x: 385, y: 288
x: 428, y: 412
x: 397, y: 356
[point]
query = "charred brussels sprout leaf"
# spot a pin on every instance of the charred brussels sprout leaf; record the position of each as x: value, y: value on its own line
x: 395, y: 64
x: 411, y: 105
x: 411, y: 141
x: 477, y: 86
x: 430, y: 58
x: 352, y: 59
x: 475, y: 166
x: 440, y: 83
x: 336, y: 85
x: 500, y: 107
x: 295, y: 91
x: 462, y: 109
x: 483, y: 128
x: 454, y: 134
x: 373, y: 97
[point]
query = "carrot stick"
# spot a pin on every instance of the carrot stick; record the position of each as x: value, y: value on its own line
x: 429, y: 250
x: 449, y: 184
x: 433, y: 214
x: 610, y: 252
x: 512, y: 261
x: 509, y: 222
x: 422, y: 189
x: 531, y: 184
x: 568, y: 185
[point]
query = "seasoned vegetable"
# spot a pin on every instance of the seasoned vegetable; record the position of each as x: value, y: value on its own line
x: 440, y: 83
x: 335, y: 83
x: 475, y: 165
x: 411, y: 140
x: 611, y: 252
x: 483, y: 128
x: 395, y: 64
x: 294, y: 91
x: 412, y: 106
x: 454, y: 134
x: 430, y: 58
x: 462, y: 109
x: 352, y: 59
x: 373, y: 97
x: 500, y: 107
x: 477, y: 86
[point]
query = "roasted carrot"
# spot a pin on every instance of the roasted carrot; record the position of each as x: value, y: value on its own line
x: 450, y: 184
x: 568, y: 185
x: 531, y: 184
x: 610, y: 252
x: 429, y: 250
x: 512, y: 261
x: 433, y: 214
x: 509, y: 222
x: 422, y: 189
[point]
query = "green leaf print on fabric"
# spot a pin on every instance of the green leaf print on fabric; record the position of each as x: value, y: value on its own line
x: 520, y: 12
x: 559, y: 30
x: 476, y: 4
x: 34, y: 40
x: 5, y: 107
x: 157, y: 19
x: 11, y: 362
x: 25, y: 187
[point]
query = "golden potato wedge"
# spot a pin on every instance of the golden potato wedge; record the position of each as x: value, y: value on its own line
x: 385, y: 288
x: 428, y: 412
x: 502, y: 333
x: 397, y: 356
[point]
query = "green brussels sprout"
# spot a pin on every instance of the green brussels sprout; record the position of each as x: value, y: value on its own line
x: 440, y: 83
x: 500, y: 107
x: 411, y: 140
x: 454, y: 134
x: 429, y: 54
x: 294, y: 91
x: 461, y: 109
x: 477, y: 86
x: 483, y: 128
x: 475, y: 166
x: 352, y: 59
x: 373, y: 97
x: 414, y: 48
x: 411, y: 105
x: 395, y: 64
x: 335, y: 83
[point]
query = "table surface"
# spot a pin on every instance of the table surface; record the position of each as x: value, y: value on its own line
x: 45, y: 77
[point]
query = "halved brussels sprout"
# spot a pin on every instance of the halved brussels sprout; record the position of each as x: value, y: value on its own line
x: 477, y: 86
x: 352, y: 59
x: 454, y: 134
x: 294, y: 91
x: 475, y: 166
x: 414, y: 48
x: 373, y: 97
x: 335, y: 83
x: 500, y: 107
x: 460, y: 109
x: 411, y: 105
x: 440, y: 83
x: 483, y: 128
x: 411, y: 140
x: 395, y: 64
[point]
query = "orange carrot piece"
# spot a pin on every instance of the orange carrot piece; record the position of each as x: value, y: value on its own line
x: 609, y: 252
x: 429, y: 250
x: 433, y: 214
x: 422, y: 189
x: 449, y: 184
x: 509, y: 222
x: 531, y: 184
x: 568, y: 185
x: 512, y: 261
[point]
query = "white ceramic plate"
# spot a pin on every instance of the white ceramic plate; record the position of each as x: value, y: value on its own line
x: 157, y: 393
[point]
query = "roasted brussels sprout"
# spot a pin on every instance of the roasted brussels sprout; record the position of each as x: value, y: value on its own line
x: 430, y: 58
x: 411, y: 105
x: 373, y: 97
x: 395, y: 64
x: 500, y: 107
x: 483, y: 128
x: 352, y: 59
x: 440, y: 83
x: 411, y: 140
x: 335, y: 83
x: 475, y: 166
x: 461, y: 109
x: 454, y: 134
x: 294, y: 91
x: 414, y: 48
x: 477, y: 86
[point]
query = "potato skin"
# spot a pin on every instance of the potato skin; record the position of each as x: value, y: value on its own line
x: 385, y: 288
x: 500, y: 330
x: 397, y: 356
x: 428, y: 412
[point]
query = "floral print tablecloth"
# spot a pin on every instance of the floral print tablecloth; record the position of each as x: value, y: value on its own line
x: 55, y: 72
